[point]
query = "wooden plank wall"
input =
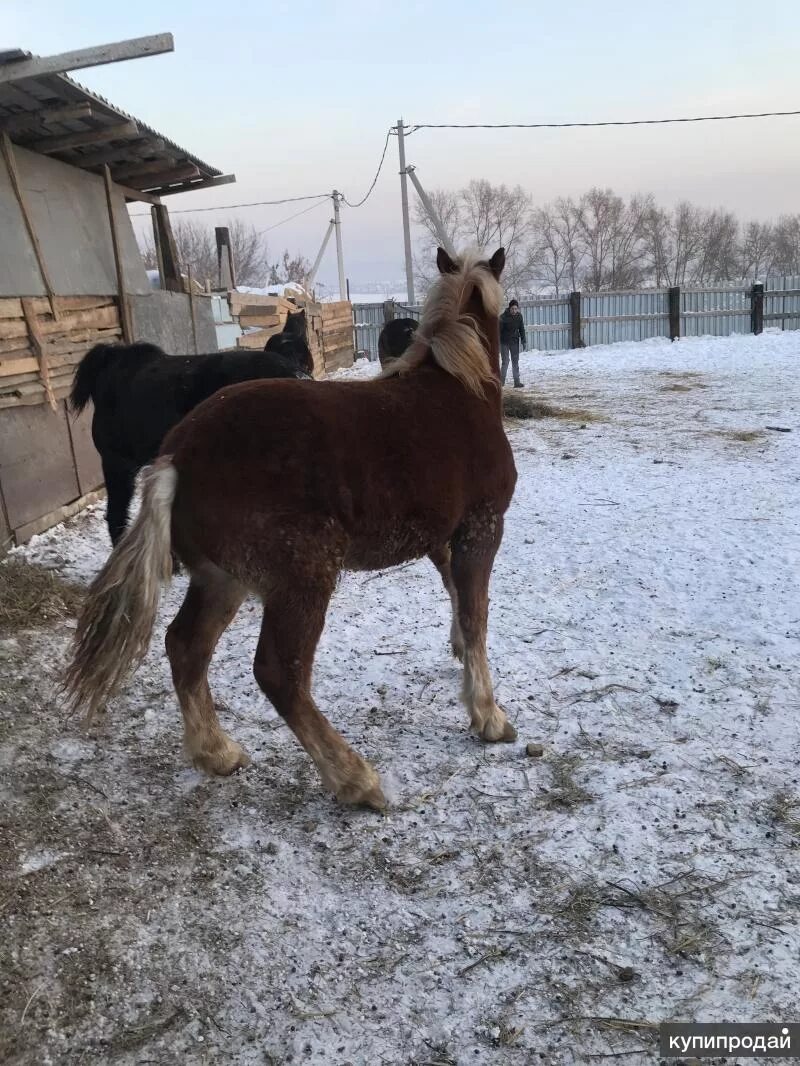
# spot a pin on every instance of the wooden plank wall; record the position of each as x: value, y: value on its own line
x: 337, y: 335
x: 48, y: 462
x: 40, y: 349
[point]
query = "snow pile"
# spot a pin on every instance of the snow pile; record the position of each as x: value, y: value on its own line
x: 289, y: 290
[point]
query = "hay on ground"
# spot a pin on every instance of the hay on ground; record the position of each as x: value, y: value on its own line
x: 31, y: 596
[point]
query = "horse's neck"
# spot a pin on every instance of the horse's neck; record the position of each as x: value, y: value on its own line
x: 490, y: 327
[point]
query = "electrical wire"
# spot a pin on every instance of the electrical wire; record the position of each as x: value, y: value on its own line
x: 230, y: 207
x: 255, y: 203
x: 290, y: 218
x: 377, y: 175
x: 583, y: 125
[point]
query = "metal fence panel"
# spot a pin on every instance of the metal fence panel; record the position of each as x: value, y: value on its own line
x: 717, y: 312
x: 782, y: 307
x: 546, y: 324
x: 609, y: 317
x: 369, y: 323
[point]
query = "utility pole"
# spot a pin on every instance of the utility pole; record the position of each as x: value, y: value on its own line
x: 406, y: 223
x: 312, y: 276
x: 441, y: 232
x: 337, y: 224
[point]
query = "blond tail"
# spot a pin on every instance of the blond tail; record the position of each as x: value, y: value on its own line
x: 117, y: 620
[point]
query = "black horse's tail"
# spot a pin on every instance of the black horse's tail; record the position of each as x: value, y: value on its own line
x: 93, y: 364
x: 100, y: 359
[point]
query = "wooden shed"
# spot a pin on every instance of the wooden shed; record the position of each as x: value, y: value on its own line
x: 71, y: 273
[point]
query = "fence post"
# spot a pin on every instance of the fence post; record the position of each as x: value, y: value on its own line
x: 674, y: 296
x: 575, y: 339
x: 388, y: 311
x: 757, y: 308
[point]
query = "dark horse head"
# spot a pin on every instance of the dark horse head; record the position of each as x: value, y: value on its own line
x: 395, y: 338
x: 291, y: 343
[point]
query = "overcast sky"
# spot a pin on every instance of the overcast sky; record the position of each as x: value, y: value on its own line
x: 296, y: 98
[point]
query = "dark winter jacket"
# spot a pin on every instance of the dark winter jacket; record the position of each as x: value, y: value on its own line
x: 512, y: 327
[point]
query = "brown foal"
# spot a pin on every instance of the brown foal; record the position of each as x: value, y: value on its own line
x: 274, y: 488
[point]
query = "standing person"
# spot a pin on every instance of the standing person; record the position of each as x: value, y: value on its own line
x: 512, y: 333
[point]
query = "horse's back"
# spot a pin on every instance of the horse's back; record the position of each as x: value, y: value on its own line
x: 395, y: 464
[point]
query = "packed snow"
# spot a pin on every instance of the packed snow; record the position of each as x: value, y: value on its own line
x: 640, y: 864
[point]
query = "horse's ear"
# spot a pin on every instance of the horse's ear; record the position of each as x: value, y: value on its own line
x: 445, y: 263
x: 497, y: 262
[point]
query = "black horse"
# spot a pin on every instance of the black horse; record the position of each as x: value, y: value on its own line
x: 395, y: 337
x: 139, y: 393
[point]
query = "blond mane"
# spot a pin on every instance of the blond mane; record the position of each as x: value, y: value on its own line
x: 453, y: 337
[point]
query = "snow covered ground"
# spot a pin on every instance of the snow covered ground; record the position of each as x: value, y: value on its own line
x: 509, y: 908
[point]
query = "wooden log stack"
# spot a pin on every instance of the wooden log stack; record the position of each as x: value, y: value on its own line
x: 329, y: 327
x: 337, y: 335
x: 39, y: 350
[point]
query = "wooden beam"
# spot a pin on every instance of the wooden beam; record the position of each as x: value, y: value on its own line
x: 575, y: 321
x: 674, y: 306
x: 124, y: 309
x: 137, y: 195
x: 192, y: 310
x: 147, y: 145
x: 757, y: 308
x: 37, y: 344
x: 117, y: 132
x: 135, y: 48
x: 157, y: 172
x: 157, y: 247
x: 46, y: 116
x: 11, y: 165
x: 171, y: 277
x: 206, y: 183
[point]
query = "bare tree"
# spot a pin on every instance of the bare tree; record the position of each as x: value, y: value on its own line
x: 672, y: 244
x: 787, y: 245
x: 494, y: 215
x: 612, y: 233
x: 290, y: 268
x: 601, y: 242
x: 197, y: 250
x: 484, y: 216
x: 756, y: 250
x: 718, y: 255
x: 558, y: 248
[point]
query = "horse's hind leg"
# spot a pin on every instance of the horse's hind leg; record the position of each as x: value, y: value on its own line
x: 212, y: 600
x: 441, y: 559
x: 474, y: 548
x: 294, y: 615
x: 120, y: 479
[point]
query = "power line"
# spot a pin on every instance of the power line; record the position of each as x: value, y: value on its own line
x: 377, y: 175
x: 255, y: 203
x: 231, y: 207
x: 573, y: 125
x: 290, y: 218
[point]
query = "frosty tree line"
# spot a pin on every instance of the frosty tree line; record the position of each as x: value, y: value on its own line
x: 602, y: 242
x: 596, y: 242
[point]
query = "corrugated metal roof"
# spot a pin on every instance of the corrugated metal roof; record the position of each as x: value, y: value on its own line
x: 135, y: 152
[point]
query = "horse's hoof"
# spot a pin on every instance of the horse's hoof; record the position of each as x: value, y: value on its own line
x: 364, y: 791
x: 499, y: 732
x: 223, y: 762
